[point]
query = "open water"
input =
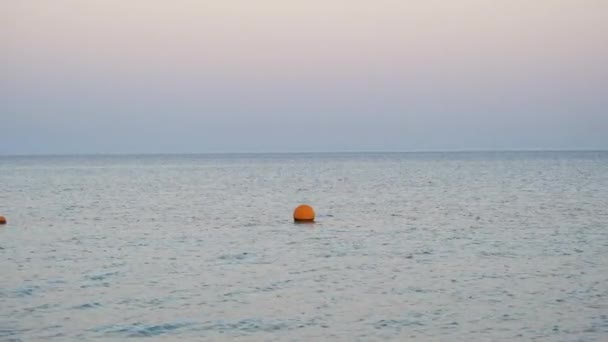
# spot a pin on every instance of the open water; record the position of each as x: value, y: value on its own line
x: 414, y: 246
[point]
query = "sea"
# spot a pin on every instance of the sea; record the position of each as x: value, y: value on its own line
x: 436, y: 246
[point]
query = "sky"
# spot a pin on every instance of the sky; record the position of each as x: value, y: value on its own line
x: 197, y: 76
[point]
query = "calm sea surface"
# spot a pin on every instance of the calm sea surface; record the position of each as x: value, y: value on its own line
x: 413, y: 246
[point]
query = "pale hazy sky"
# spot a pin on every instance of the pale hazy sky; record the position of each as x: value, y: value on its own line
x: 129, y: 76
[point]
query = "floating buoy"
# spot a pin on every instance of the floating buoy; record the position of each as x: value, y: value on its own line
x: 304, y: 213
x: 2, y: 220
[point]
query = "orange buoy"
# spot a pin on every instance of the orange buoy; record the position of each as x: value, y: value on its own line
x: 2, y: 220
x: 304, y: 213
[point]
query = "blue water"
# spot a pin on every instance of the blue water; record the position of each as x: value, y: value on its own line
x: 427, y: 246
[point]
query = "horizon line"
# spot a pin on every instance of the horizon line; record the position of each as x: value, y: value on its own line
x: 126, y: 154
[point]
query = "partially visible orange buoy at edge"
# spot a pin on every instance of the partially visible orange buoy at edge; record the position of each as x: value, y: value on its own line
x: 2, y: 220
x: 304, y: 213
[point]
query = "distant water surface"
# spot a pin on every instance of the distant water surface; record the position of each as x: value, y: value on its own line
x: 426, y: 246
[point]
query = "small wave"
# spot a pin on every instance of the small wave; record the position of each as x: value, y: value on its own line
x: 141, y: 330
x: 275, y: 285
x: 101, y: 276
x: 44, y: 307
x: 246, y: 326
x: 87, y: 306
x: 396, y: 324
x: 11, y: 334
x: 238, y: 256
x: 25, y: 291
x: 255, y: 325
